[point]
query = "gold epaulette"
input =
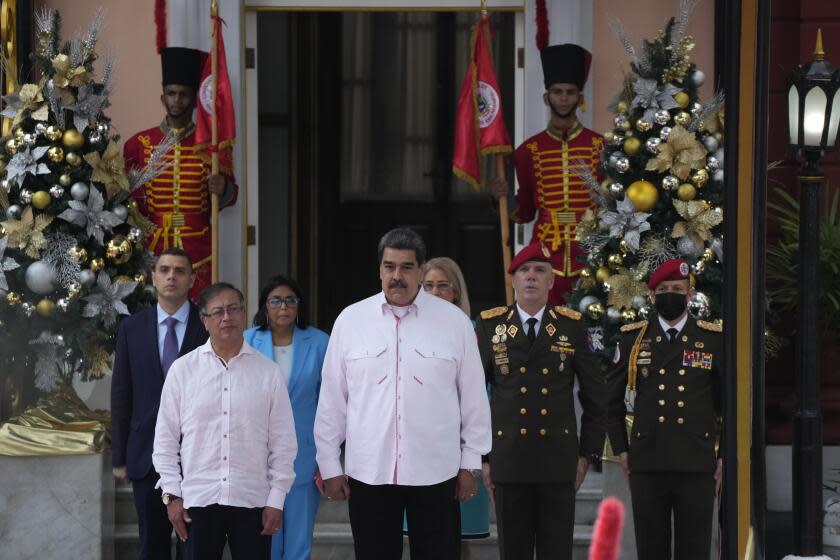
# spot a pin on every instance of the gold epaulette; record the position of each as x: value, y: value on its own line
x: 706, y: 325
x: 495, y: 312
x: 633, y: 326
x: 567, y: 312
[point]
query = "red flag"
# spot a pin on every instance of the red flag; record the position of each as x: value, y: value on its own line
x: 226, y: 120
x: 479, y: 124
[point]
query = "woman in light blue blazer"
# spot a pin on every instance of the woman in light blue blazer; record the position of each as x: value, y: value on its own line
x: 282, y: 333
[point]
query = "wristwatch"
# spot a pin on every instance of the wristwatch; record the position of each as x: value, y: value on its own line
x: 169, y: 498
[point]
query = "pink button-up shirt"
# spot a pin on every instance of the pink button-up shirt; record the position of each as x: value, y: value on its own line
x: 406, y: 394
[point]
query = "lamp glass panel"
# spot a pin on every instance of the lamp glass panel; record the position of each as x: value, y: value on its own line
x: 793, y: 115
x: 813, y: 122
x: 834, y: 120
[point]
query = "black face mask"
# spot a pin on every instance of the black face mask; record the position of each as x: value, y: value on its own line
x: 670, y: 305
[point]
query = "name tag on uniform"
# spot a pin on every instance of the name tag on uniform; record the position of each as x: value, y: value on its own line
x: 641, y: 361
x: 694, y: 358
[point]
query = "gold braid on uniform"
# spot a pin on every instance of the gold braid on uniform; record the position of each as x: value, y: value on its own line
x: 495, y: 312
x: 567, y: 312
x: 714, y: 327
x: 634, y: 352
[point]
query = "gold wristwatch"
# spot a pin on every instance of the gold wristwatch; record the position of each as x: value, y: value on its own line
x: 169, y: 498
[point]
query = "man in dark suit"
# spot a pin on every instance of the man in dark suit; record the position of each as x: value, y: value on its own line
x: 147, y: 344
x: 671, y: 366
x: 531, y: 352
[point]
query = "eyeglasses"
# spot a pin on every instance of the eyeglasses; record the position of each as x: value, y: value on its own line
x: 219, y: 313
x: 441, y: 286
x: 277, y: 301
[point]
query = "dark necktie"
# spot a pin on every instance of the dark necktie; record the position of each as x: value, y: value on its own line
x: 531, y: 333
x: 672, y: 334
x: 170, y: 345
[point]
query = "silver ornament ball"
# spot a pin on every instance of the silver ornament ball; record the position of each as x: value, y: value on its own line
x: 664, y: 133
x: 617, y: 190
x: 662, y: 117
x: 618, y: 139
x: 27, y: 308
x: 613, y: 315
x: 102, y: 128
x: 698, y: 305
x: 56, y: 191
x: 698, y: 78
x: 695, y: 108
x: 29, y: 139
x: 711, y: 143
x: 687, y: 248
x: 638, y: 302
x: 670, y: 182
x: 614, y: 157
x: 622, y: 164
x: 135, y: 235
x: 62, y: 305
x: 79, y: 191
x: 718, y: 175
x: 94, y: 137
x: 25, y: 196
x: 698, y: 267
x: 40, y: 277
x: 643, y: 312
x: 585, y: 302
x: 712, y: 164
x: 120, y: 211
x: 87, y: 277
x: 6, y: 185
x: 40, y: 128
x: 13, y: 212
x: 652, y: 144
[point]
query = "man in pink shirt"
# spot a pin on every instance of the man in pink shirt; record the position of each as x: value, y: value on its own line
x: 403, y: 389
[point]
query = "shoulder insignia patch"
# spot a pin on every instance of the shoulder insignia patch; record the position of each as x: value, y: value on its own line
x: 495, y: 312
x: 633, y: 326
x: 567, y: 312
x: 706, y: 325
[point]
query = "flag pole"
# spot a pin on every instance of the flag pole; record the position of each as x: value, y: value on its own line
x: 214, y: 144
x: 504, y: 219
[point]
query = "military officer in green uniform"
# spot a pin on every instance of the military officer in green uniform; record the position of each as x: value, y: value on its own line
x: 670, y: 368
x: 531, y: 352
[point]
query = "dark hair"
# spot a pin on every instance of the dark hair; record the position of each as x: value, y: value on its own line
x: 261, y: 317
x: 403, y: 238
x: 175, y: 252
x: 213, y: 290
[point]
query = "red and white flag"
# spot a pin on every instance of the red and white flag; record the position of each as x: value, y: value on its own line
x: 225, y: 117
x: 479, y: 123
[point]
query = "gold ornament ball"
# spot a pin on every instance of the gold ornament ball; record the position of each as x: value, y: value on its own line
x: 78, y: 254
x: 682, y: 118
x: 602, y: 274
x: 595, y: 310
x: 123, y: 278
x: 73, y: 139
x: 18, y: 133
x: 609, y: 136
x: 585, y: 273
x: 718, y: 136
x: 41, y: 200
x: 11, y: 146
x: 97, y: 264
x: 625, y: 125
x: 140, y: 278
x: 622, y: 106
x: 643, y: 125
x: 615, y: 260
x: 632, y: 146
x: 2, y: 165
x: 56, y: 154
x: 13, y: 298
x: 682, y: 99
x: 65, y: 180
x: 686, y: 192
x: 708, y: 254
x: 624, y: 247
x: 73, y: 290
x: 118, y: 249
x: 700, y: 178
x: 45, y: 307
x: 73, y: 159
x: 643, y: 194
x: 628, y: 315
x: 53, y: 133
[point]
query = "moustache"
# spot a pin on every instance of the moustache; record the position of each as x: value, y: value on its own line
x: 397, y: 284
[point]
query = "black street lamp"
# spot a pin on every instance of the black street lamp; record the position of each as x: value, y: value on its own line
x: 813, y: 117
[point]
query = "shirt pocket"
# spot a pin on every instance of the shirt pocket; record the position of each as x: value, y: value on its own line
x: 366, y: 364
x: 437, y: 366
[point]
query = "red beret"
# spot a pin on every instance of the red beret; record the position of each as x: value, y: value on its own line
x: 674, y: 269
x: 532, y: 252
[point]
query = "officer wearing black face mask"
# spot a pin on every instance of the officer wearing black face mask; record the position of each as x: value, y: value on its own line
x: 670, y: 367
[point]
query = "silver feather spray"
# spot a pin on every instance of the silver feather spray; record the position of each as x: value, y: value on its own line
x: 708, y: 109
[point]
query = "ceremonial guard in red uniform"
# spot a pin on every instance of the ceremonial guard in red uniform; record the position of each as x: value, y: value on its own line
x: 550, y: 185
x: 178, y: 200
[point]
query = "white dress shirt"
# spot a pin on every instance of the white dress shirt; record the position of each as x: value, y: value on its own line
x: 406, y: 394
x: 524, y: 316
x: 283, y: 358
x: 181, y: 316
x: 238, y: 445
x: 679, y: 326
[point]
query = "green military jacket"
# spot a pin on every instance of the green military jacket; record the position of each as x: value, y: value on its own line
x: 534, y: 429
x: 677, y: 396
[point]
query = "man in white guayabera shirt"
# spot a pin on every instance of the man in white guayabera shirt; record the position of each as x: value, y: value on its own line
x: 226, y: 423
x: 403, y: 386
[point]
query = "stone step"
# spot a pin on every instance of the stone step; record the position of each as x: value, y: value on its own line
x: 334, y: 541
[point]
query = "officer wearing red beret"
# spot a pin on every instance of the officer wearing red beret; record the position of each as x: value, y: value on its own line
x: 531, y: 352
x: 672, y: 367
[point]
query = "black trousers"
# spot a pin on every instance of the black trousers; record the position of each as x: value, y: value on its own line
x: 214, y: 525
x: 155, y: 529
x: 689, y: 497
x: 535, y: 517
x: 434, y: 521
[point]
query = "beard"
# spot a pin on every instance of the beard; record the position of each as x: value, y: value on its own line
x: 555, y: 112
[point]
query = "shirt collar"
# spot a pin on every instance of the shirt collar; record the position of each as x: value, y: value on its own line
x: 207, y: 348
x: 181, y: 315
x: 679, y: 326
x: 524, y: 316
x: 414, y: 306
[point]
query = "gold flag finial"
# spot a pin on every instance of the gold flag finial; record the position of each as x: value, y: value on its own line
x: 819, y: 53
x: 483, y: 8
x: 214, y: 8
